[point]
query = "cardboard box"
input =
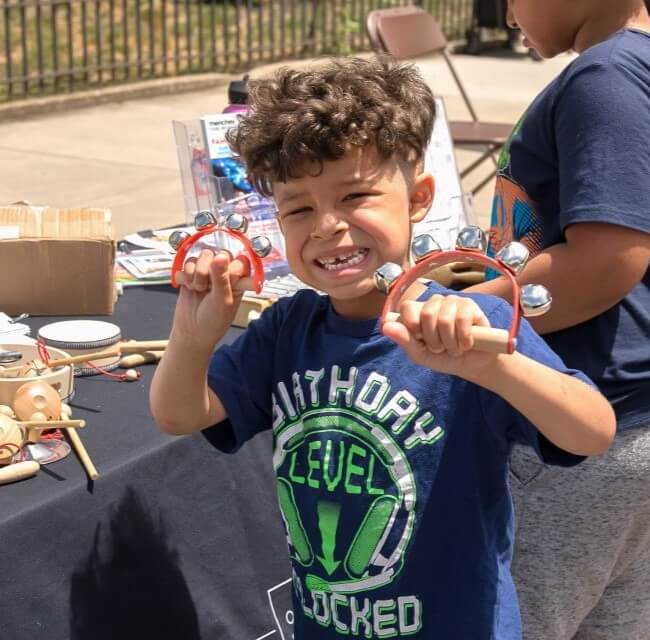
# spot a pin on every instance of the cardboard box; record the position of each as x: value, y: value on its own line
x: 56, y: 261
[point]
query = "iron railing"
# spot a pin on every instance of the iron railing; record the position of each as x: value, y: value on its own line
x: 56, y: 46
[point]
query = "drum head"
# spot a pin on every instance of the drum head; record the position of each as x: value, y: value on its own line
x: 80, y: 334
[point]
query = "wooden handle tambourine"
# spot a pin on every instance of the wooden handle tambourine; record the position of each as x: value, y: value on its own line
x: 530, y: 300
x: 235, y: 225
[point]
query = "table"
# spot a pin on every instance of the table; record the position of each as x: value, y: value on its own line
x: 174, y: 540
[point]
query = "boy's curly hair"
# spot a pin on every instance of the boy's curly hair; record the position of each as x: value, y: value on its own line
x: 302, y: 117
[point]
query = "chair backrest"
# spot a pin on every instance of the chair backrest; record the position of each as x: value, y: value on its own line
x: 404, y: 32
x: 409, y: 32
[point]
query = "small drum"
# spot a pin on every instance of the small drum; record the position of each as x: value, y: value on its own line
x: 77, y: 337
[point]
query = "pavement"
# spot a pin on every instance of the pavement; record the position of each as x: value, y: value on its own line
x: 121, y: 155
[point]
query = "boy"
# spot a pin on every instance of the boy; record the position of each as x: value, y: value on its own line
x: 391, y: 451
x: 574, y: 185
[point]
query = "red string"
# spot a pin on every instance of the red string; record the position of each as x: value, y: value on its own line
x: 43, y: 353
x: 18, y: 451
x: 118, y: 376
x: 51, y: 434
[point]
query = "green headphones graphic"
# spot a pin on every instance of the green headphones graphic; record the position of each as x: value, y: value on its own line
x: 376, y: 551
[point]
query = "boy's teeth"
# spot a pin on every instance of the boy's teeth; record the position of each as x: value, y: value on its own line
x: 340, y: 262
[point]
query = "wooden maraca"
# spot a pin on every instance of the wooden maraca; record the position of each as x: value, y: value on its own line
x: 12, y: 438
x: 38, y: 404
x: 38, y: 400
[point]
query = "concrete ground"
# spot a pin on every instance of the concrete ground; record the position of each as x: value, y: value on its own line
x: 122, y: 155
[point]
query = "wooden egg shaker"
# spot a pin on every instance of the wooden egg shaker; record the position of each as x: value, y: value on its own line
x: 12, y: 436
x: 36, y: 401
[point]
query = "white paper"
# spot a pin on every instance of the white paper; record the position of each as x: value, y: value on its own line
x: 9, y: 330
x: 9, y: 232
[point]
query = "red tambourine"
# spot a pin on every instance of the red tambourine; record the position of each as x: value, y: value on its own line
x: 235, y: 226
x: 529, y: 300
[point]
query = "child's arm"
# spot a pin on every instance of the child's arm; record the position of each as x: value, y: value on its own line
x: 570, y: 413
x: 595, y: 269
x: 211, y: 288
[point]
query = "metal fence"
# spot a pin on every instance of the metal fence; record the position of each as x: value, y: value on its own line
x: 56, y: 46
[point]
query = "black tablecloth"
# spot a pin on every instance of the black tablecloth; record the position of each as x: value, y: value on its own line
x: 174, y: 540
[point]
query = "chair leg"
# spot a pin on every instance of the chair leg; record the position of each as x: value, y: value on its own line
x: 483, y: 183
x: 489, y: 153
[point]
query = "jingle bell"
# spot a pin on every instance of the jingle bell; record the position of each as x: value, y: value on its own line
x: 9, y: 357
x: 204, y: 219
x: 423, y: 246
x: 472, y: 238
x: 386, y: 276
x: 261, y: 245
x: 514, y: 255
x: 177, y: 238
x: 237, y: 222
x: 535, y: 300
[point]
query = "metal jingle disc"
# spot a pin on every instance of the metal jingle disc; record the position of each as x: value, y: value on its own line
x: 261, y: 245
x: 386, y: 276
x: 9, y: 357
x: 423, y: 246
x: 177, y: 238
x: 204, y: 219
x: 237, y: 222
x: 535, y: 300
x: 473, y: 238
x: 47, y: 451
x: 515, y: 256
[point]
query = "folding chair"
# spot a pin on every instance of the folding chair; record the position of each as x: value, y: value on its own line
x: 409, y: 32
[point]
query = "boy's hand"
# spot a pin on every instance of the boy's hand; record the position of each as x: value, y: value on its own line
x: 437, y: 334
x: 211, y: 288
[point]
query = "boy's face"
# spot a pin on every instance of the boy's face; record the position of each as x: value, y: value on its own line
x: 549, y: 26
x: 344, y: 223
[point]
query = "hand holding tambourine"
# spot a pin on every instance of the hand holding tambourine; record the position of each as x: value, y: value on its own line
x: 453, y: 325
x: 213, y: 283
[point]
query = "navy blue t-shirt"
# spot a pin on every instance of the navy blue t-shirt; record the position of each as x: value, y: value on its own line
x: 391, y: 478
x: 581, y: 153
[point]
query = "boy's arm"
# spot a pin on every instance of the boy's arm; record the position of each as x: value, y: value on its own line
x: 600, y: 130
x: 181, y: 401
x: 211, y: 289
x: 570, y: 413
x: 595, y: 269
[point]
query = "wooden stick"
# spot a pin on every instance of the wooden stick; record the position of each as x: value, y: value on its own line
x: 143, y: 345
x: 115, y: 350
x: 84, y: 458
x: 97, y: 355
x: 52, y: 424
x: 485, y: 338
